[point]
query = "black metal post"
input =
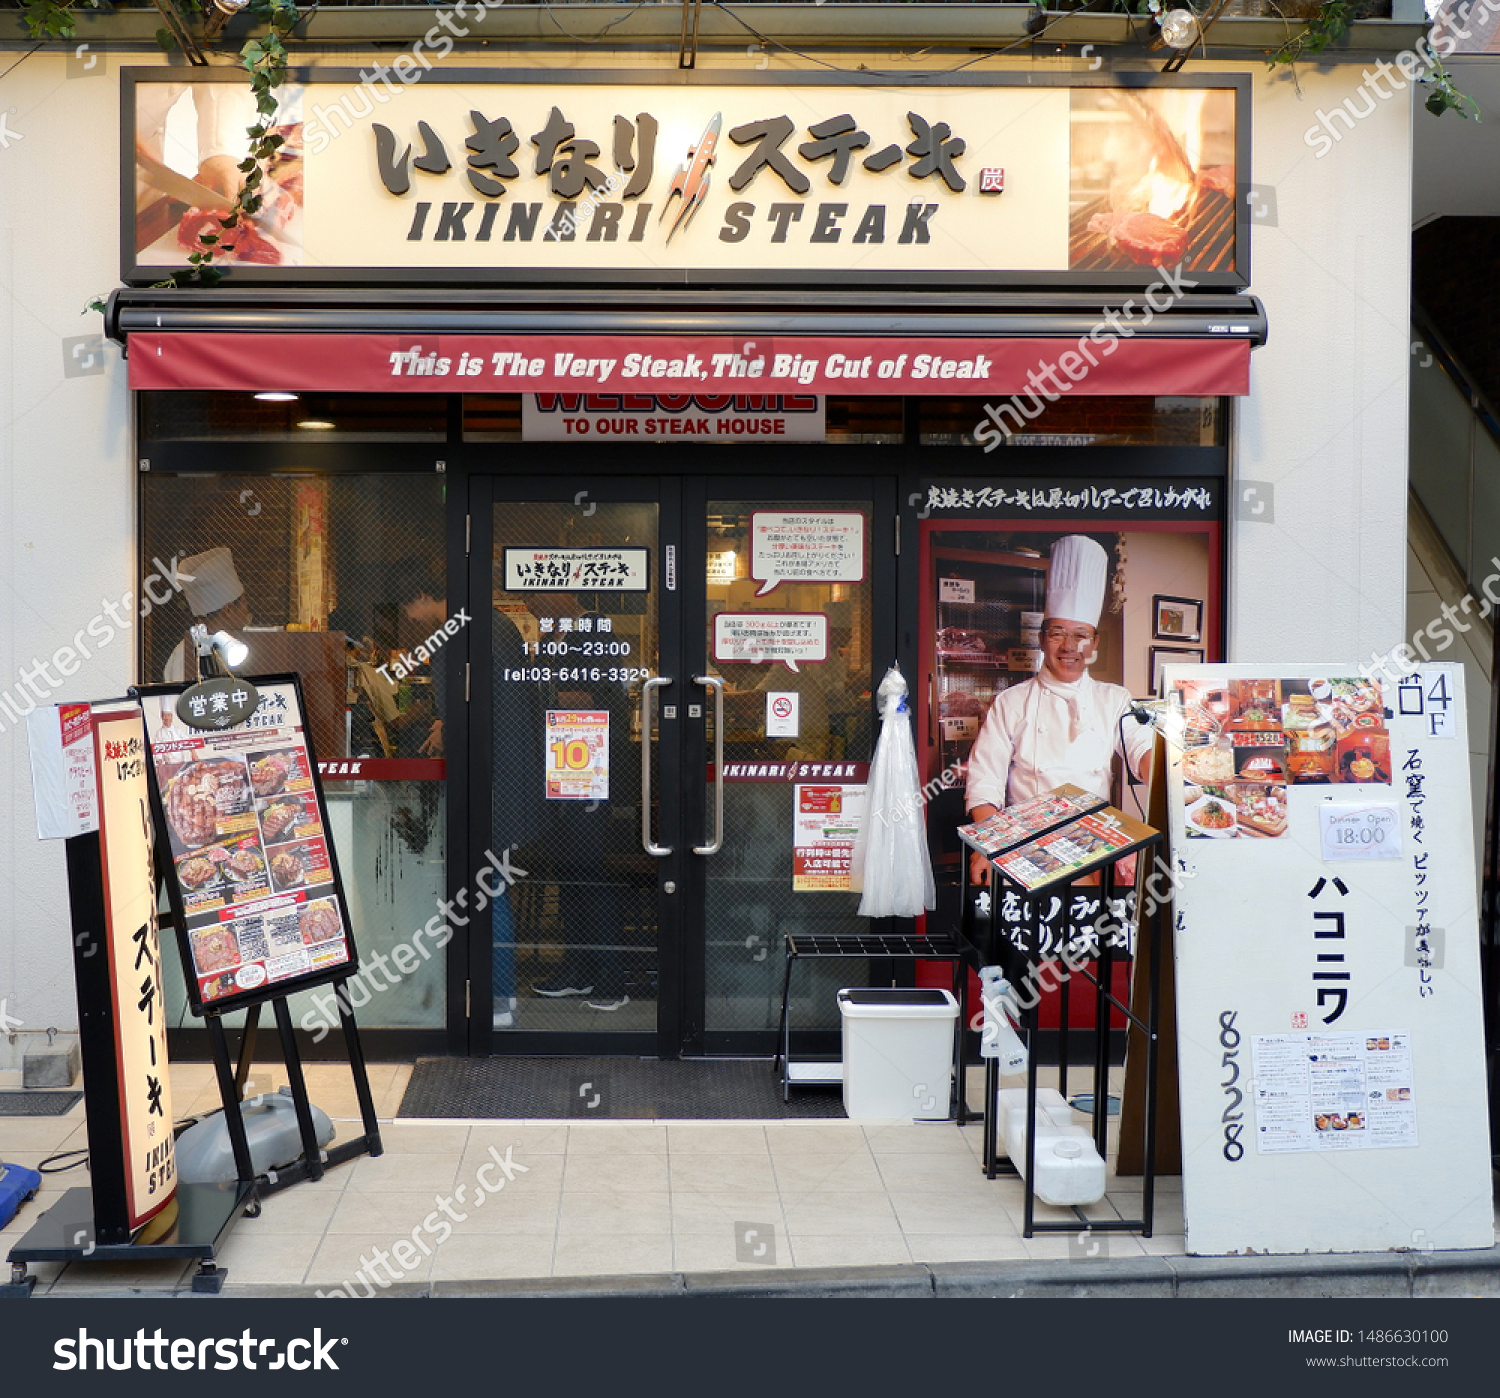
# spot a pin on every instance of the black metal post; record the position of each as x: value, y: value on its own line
x: 229, y: 1095
x: 1029, y: 1174
x: 1103, y: 990
x: 247, y: 1051
x: 1153, y: 1048
x: 357, y: 1067
x: 312, y: 1152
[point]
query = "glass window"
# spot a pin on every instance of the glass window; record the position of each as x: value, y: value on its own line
x: 339, y: 579
x: 193, y: 416
x: 1080, y: 422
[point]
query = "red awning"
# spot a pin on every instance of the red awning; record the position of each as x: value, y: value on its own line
x: 935, y: 365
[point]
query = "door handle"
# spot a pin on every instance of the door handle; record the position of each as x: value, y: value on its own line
x: 648, y: 843
x: 717, y: 685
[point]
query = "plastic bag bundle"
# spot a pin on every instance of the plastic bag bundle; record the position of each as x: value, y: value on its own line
x: 890, y: 865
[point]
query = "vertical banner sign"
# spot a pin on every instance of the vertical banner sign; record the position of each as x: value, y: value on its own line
x: 1331, y: 1049
x: 131, y: 942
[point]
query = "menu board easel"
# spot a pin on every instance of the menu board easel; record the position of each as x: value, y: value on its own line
x: 1054, y: 859
x: 253, y: 881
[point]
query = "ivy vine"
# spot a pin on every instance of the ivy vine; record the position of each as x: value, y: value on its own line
x: 265, y: 60
x: 1331, y: 22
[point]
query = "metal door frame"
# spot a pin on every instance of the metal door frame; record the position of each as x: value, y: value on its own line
x: 561, y: 473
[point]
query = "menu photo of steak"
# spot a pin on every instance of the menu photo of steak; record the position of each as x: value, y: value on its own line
x: 1146, y: 239
x: 268, y: 774
x: 199, y: 796
x: 214, y: 949
x: 320, y: 922
x: 288, y: 818
x: 287, y: 869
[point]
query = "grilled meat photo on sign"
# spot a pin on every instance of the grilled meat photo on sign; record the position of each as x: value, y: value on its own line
x: 1152, y: 180
x: 195, y: 872
x: 319, y: 922
x: 268, y: 774
x: 244, y: 864
x: 214, y: 949
x: 280, y: 819
x: 287, y: 870
x: 196, y: 796
x: 1145, y: 239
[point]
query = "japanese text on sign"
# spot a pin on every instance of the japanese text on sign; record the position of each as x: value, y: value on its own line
x: 1427, y: 696
x: 806, y: 548
x: 790, y: 638
x: 577, y: 570
x: 827, y: 821
x: 577, y: 745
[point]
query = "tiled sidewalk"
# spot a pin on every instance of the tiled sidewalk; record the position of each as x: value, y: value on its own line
x: 603, y: 1198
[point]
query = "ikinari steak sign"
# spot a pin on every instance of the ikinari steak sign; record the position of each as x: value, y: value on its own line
x: 536, y: 176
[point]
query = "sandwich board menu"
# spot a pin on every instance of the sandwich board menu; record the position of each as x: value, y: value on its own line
x: 1074, y: 849
x: 254, y: 883
x: 1331, y: 1051
x: 1028, y: 819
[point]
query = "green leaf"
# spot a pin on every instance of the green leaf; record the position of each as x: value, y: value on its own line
x: 166, y: 39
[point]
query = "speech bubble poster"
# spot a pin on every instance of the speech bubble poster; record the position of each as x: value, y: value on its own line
x: 809, y: 547
x: 760, y: 638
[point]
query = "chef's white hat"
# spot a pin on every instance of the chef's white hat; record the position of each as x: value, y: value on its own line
x: 1076, y: 580
x: 209, y: 580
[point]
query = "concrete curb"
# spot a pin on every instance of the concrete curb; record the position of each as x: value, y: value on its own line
x: 1403, y: 1275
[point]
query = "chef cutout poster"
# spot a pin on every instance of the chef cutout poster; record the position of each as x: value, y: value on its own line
x: 256, y: 881
x: 1040, y: 652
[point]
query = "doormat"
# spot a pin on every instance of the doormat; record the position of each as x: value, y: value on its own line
x: 37, y: 1103
x: 594, y: 1089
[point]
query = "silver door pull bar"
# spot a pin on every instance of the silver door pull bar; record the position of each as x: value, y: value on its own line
x: 717, y: 685
x: 647, y: 842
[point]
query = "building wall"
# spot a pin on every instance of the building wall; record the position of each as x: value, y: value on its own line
x: 1325, y: 425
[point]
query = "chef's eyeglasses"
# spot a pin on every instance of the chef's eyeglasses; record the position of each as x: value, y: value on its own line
x: 1061, y: 633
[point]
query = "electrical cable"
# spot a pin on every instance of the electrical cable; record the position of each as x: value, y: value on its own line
x: 1132, y: 782
x: 20, y: 60
x: 584, y: 39
x: 63, y: 1155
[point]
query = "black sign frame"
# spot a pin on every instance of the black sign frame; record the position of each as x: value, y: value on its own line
x: 271, y: 990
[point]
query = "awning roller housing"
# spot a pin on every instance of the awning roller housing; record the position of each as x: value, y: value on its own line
x: 674, y: 343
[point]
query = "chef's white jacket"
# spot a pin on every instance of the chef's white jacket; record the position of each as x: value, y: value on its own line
x: 1042, y: 733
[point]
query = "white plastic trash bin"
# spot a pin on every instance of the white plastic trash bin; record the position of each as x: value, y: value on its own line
x: 898, y: 1052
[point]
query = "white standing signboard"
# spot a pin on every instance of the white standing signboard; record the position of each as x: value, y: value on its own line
x: 1331, y: 1050
x: 138, y: 1009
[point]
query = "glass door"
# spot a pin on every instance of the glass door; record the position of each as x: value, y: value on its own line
x: 671, y: 726
x: 790, y: 631
x: 568, y: 951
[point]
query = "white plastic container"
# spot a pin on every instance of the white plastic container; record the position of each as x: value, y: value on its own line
x: 1069, y: 1170
x: 898, y: 1053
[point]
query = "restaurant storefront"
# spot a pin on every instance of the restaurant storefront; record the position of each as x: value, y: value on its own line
x: 591, y: 574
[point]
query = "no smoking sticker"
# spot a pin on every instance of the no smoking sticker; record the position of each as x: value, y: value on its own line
x: 781, y: 714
